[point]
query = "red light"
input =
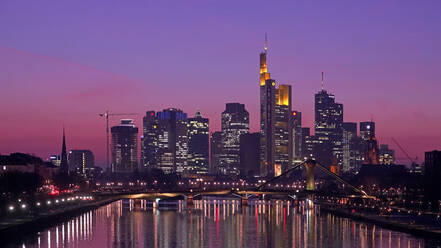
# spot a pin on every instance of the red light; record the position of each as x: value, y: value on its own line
x: 151, y: 114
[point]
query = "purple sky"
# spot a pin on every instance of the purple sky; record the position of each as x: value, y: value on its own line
x: 63, y: 62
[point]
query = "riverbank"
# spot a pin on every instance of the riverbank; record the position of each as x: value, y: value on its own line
x: 20, y: 227
x: 389, y: 223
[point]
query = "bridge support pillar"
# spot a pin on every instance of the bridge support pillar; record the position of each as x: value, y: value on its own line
x: 189, y: 200
x: 244, y: 201
x: 310, y: 175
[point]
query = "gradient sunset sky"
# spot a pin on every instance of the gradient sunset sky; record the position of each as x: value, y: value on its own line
x: 63, y: 62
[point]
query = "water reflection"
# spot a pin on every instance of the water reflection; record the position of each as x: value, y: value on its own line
x: 216, y: 222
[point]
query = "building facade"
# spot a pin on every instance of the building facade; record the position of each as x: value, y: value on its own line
x: 235, y: 122
x: 198, y: 145
x: 81, y: 160
x: 328, y: 129
x: 297, y: 139
x: 215, y: 152
x: 386, y: 156
x: 172, y: 140
x: 125, y: 147
x: 250, y: 155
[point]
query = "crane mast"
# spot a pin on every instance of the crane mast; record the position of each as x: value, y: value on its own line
x: 106, y: 115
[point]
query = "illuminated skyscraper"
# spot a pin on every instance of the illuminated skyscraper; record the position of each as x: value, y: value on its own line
x: 349, y: 153
x: 149, y: 141
x: 283, y: 132
x: 124, y: 147
x: 275, y: 122
x: 328, y: 128
x: 235, y: 121
x: 172, y: 147
x: 197, y: 145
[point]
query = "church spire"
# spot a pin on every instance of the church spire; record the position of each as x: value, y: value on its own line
x: 64, y: 167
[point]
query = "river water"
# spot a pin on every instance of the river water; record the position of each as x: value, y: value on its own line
x: 216, y: 222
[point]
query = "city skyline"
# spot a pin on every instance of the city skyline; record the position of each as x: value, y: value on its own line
x: 66, y: 89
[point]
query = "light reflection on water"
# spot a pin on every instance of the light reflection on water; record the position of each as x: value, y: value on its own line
x: 216, y: 222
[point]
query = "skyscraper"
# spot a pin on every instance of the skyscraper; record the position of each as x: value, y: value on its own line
x: 267, y: 109
x: 149, y: 141
x: 369, y: 144
x: 172, y: 149
x: 275, y: 122
x: 235, y: 121
x: 198, y: 146
x: 215, y: 152
x: 81, y: 160
x: 283, y: 132
x: 124, y: 147
x: 349, y: 153
x: 328, y: 128
x: 64, y: 164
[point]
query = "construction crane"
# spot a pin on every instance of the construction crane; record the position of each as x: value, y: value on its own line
x: 412, y: 161
x: 106, y: 115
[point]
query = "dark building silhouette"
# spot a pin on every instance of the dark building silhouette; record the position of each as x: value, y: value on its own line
x: 432, y: 176
x: 235, y: 121
x: 198, y: 147
x: 250, y: 155
x: 215, y: 152
x: 64, y: 165
x: 81, y: 160
x: 124, y: 147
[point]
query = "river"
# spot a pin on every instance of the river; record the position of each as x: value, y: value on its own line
x: 215, y: 222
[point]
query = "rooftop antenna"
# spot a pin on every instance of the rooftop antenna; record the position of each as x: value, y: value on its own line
x: 266, y: 43
x: 322, y: 81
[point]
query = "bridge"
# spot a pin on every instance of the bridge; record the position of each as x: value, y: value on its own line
x: 263, y: 191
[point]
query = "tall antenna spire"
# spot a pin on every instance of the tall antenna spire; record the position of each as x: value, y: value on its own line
x: 266, y: 43
x: 323, y: 81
